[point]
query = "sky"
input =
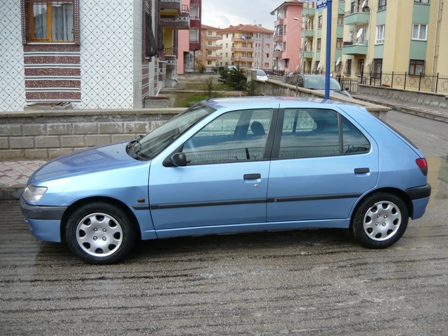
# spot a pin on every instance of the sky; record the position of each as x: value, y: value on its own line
x: 223, y: 13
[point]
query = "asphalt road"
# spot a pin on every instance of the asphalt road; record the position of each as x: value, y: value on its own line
x: 315, y: 282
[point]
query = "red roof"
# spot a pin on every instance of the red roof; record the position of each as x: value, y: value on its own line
x: 247, y: 28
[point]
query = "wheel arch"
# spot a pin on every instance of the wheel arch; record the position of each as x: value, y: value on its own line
x: 397, y: 192
x: 122, y: 206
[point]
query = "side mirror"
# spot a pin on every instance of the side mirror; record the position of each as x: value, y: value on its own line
x: 179, y: 159
x: 347, y: 89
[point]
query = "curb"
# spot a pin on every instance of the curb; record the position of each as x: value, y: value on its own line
x: 11, y: 193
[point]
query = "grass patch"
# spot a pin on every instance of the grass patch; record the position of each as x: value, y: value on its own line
x: 184, y: 99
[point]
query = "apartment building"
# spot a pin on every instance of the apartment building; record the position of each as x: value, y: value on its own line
x: 210, y: 57
x: 247, y: 46
x: 377, y: 36
x: 88, y: 54
x: 189, y: 41
x: 287, y: 36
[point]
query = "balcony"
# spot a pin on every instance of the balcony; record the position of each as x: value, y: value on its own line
x: 353, y: 48
x: 278, y: 38
x: 278, y: 54
x: 308, y: 54
x: 355, y: 17
x: 180, y: 22
x: 243, y: 49
x: 242, y: 59
x: 212, y: 37
x: 242, y: 38
x: 212, y: 57
x: 170, y: 7
x: 278, y: 22
x: 310, y: 12
x: 213, y: 47
x: 307, y: 33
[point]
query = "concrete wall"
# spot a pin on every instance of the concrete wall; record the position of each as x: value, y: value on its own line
x: 276, y: 88
x: 49, y: 134
x: 418, y: 98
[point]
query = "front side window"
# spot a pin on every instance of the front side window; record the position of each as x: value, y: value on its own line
x: 382, y: 4
x: 380, y: 34
x: 419, y: 32
x: 51, y: 21
x: 232, y: 137
x: 318, y: 133
x: 152, y: 144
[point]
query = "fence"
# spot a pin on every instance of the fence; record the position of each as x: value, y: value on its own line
x: 405, y: 81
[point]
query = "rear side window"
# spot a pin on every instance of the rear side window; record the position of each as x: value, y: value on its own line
x: 319, y: 133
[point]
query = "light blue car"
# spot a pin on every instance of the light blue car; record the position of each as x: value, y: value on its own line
x: 229, y: 166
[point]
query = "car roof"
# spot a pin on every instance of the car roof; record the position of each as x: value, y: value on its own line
x: 272, y: 102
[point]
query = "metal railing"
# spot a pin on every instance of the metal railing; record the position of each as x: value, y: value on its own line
x: 405, y: 81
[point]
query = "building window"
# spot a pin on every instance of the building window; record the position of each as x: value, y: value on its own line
x: 416, y: 67
x: 194, y: 12
x: 377, y: 67
x: 340, y: 19
x: 420, y: 32
x: 422, y: 1
x: 382, y: 4
x: 51, y: 21
x: 348, y: 67
x: 319, y: 43
x: 339, y: 43
x: 319, y: 22
x: 380, y: 32
x: 194, y: 35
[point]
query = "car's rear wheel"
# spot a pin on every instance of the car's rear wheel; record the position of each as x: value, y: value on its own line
x: 100, y: 233
x: 380, y: 220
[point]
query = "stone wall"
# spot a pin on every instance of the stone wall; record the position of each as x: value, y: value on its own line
x: 49, y: 134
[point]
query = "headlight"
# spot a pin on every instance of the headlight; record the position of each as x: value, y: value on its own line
x: 34, y: 194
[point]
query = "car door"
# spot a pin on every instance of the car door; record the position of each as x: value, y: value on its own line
x: 324, y: 164
x: 223, y: 187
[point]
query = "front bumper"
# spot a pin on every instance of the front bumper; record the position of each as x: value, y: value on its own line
x: 44, y: 222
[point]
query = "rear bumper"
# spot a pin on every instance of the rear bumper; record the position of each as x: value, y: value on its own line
x: 420, y: 198
x: 419, y: 192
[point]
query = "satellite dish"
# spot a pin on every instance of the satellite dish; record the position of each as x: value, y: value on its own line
x: 359, y: 34
x: 367, y: 63
x: 318, y: 66
x: 364, y: 4
x: 338, y: 61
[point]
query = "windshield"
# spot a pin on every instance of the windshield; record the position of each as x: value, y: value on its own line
x: 152, y: 144
x: 318, y: 83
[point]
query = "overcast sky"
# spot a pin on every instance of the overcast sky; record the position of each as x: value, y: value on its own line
x: 223, y: 13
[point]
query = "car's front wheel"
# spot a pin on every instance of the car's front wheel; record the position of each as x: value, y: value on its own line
x: 100, y: 233
x: 380, y: 220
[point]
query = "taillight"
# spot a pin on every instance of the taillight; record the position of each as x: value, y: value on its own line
x: 423, y: 165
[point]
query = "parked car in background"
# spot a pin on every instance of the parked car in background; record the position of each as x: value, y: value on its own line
x: 261, y: 75
x: 230, y: 166
x: 317, y: 82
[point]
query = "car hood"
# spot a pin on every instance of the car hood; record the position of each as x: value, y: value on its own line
x: 98, y: 159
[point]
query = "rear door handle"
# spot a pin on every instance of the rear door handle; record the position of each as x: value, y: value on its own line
x: 362, y: 170
x: 252, y: 176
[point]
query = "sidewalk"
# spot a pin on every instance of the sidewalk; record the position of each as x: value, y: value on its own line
x: 14, y: 174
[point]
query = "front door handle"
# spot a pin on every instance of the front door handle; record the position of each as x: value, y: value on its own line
x: 252, y: 176
x: 362, y: 170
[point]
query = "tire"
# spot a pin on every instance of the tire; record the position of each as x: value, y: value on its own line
x: 100, y: 233
x: 380, y: 220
